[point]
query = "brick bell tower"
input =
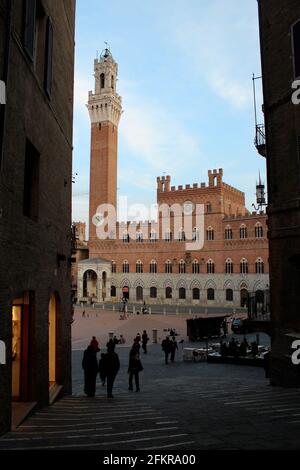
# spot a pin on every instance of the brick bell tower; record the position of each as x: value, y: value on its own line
x: 105, y: 109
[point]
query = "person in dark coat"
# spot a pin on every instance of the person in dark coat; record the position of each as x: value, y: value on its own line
x: 166, y: 347
x: 90, y: 367
x: 111, y: 344
x: 134, y: 368
x: 173, y: 347
x: 102, y: 371
x: 112, y: 366
x: 145, y: 340
x: 136, y: 346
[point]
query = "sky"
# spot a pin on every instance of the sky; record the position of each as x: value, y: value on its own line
x: 185, y: 77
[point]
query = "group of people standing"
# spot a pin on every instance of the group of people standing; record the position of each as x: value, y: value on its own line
x: 109, y: 365
x: 169, y: 347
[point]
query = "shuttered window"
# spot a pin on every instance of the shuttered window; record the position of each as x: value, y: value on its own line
x: 49, y: 57
x: 29, y: 29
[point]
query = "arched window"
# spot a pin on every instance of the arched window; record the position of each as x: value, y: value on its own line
x: 243, y: 231
x: 153, y: 236
x: 244, y: 266
x: 210, y: 267
x: 229, y: 266
x: 228, y: 233
x: 296, y: 48
x: 102, y: 80
x: 113, y: 291
x: 181, y: 266
x: 181, y: 235
x: 113, y: 267
x: 153, y: 266
x: 125, y: 237
x: 168, y: 236
x: 168, y: 292
x: 208, y: 207
x: 196, y: 293
x: 196, y: 267
x: 168, y: 267
x: 139, y: 267
x: 139, y: 237
x: 182, y: 293
x: 259, y: 233
x: 125, y: 266
x: 196, y: 234
x: 259, y: 266
x: 153, y: 292
x: 210, y: 294
x: 229, y: 295
x: 210, y: 234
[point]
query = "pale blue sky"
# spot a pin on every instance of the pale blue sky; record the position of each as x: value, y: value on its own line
x: 185, y: 71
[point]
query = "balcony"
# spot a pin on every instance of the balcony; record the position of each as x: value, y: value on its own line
x: 260, y: 139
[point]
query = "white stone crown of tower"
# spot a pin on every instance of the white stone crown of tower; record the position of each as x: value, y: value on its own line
x: 105, y: 104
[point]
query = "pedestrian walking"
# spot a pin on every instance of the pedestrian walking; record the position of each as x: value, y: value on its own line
x: 166, y: 347
x: 173, y: 347
x: 90, y: 367
x: 111, y: 344
x: 94, y: 344
x: 145, y: 340
x: 83, y: 314
x: 136, y: 346
x: 134, y: 368
x: 112, y: 366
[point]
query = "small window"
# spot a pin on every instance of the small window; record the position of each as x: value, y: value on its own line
x: 31, y: 182
x: 259, y: 233
x: 208, y: 207
x: 153, y: 267
x: 102, y: 80
x: 243, y: 232
x: 113, y: 267
x: 182, y: 268
x: 259, y: 266
x: 139, y: 267
x: 113, y: 291
x: 168, y: 292
x: 244, y: 266
x: 182, y: 293
x: 210, y: 234
x: 210, y: 267
x: 229, y: 266
x: 30, y: 28
x: 48, y: 57
x: 296, y: 47
x: 196, y: 293
x: 125, y: 267
x: 228, y: 233
x: 168, y: 267
x: 196, y: 267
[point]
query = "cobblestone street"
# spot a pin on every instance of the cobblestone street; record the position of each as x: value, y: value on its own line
x: 180, y: 406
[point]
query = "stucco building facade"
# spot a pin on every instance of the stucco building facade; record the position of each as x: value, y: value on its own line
x: 37, y: 66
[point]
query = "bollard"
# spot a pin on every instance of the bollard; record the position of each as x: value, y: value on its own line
x: 149, y: 311
x: 190, y: 311
x: 93, y: 305
x: 114, y: 308
x: 133, y: 310
x: 111, y: 335
x: 103, y: 306
x: 176, y: 311
x: 165, y: 313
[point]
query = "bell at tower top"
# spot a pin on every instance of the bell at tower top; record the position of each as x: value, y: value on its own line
x: 105, y: 104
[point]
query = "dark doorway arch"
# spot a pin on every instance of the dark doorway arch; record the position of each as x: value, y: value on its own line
x: 139, y: 293
x: 113, y: 291
x: 244, y: 297
x: 196, y: 293
x: 168, y: 292
x: 182, y: 293
x: 90, y: 284
x: 153, y: 292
